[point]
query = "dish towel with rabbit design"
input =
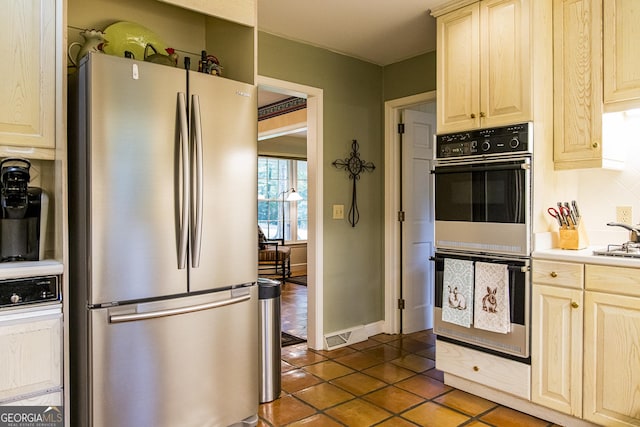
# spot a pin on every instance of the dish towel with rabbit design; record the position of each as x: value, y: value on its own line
x: 457, y: 295
x: 491, y: 302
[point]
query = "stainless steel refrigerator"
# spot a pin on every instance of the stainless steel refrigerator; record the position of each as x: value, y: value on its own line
x: 163, y: 246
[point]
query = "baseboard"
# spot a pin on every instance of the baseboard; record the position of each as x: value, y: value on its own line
x: 351, y: 336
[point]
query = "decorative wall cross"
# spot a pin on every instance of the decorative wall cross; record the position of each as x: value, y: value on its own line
x: 354, y: 165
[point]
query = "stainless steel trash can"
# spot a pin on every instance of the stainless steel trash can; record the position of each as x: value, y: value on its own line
x: 270, y: 339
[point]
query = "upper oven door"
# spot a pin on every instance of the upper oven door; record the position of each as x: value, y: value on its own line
x: 483, y: 207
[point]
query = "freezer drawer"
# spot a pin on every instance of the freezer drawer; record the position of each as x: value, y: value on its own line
x: 190, y: 361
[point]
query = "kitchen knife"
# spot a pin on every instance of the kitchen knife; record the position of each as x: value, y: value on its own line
x: 571, y: 214
x: 563, y: 218
x: 574, y: 204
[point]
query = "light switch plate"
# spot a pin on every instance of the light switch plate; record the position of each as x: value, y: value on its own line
x: 338, y: 211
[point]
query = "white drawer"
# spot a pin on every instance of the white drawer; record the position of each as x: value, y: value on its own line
x: 555, y: 273
x: 502, y: 374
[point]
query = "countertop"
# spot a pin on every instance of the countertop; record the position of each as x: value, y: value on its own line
x: 585, y: 256
x: 14, y: 270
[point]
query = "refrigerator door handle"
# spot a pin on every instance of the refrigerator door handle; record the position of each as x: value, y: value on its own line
x: 184, y: 208
x: 132, y: 317
x: 197, y: 196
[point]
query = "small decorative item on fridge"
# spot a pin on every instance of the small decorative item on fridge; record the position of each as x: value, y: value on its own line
x: 94, y: 41
x: 209, y: 64
x: 571, y: 231
x: 171, y: 59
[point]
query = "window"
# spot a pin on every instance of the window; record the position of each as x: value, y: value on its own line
x: 276, y: 176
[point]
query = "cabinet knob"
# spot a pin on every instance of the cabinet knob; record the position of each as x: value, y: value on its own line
x: 595, y: 145
x: 554, y: 274
x: 574, y: 304
x: 482, y: 114
x: 473, y: 115
x: 476, y: 369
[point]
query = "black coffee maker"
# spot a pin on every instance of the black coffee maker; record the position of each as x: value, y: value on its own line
x: 24, y: 210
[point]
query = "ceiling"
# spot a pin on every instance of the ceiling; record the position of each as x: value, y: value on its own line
x: 377, y: 31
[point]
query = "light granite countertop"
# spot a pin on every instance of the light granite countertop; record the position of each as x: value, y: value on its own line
x: 585, y: 256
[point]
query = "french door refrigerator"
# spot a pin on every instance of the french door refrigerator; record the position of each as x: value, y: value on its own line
x: 163, y: 248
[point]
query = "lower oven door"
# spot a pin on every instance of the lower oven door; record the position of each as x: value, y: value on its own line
x: 514, y: 343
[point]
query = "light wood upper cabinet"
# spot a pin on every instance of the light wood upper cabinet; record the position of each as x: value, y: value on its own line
x: 458, y: 70
x: 484, y: 65
x: 239, y: 11
x: 505, y: 62
x: 621, y: 51
x: 577, y: 59
x: 27, y: 86
x: 596, y: 69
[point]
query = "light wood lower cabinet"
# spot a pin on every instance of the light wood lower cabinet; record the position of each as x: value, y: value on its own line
x: 492, y: 371
x: 556, y: 348
x: 585, y: 357
x: 612, y: 359
x: 30, y: 353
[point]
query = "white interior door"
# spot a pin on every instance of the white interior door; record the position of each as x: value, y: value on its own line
x: 418, y: 227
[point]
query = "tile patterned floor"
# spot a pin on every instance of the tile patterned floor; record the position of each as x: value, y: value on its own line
x: 386, y: 381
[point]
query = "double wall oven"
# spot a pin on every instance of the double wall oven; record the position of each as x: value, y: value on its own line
x: 483, y: 220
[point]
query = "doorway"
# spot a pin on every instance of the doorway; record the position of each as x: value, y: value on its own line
x: 314, y: 198
x: 408, y: 213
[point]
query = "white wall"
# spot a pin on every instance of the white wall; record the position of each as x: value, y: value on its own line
x: 600, y: 191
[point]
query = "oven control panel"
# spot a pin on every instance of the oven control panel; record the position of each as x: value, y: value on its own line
x: 508, y: 139
x: 18, y: 292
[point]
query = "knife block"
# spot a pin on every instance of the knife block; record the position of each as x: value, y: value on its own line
x: 573, y: 238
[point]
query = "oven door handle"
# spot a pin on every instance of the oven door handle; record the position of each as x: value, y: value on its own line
x: 482, y: 168
x: 516, y: 268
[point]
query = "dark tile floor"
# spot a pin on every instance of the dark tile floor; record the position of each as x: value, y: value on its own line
x: 386, y: 381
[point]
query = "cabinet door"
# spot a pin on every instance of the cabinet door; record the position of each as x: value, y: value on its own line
x: 30, y: 354
x: 458, y: 62
x: 577, y: 82
x: 621, y: 50
x: 27, y: 87
x: 612, y: 359
x: 505, y: 62
x: 556, y: 348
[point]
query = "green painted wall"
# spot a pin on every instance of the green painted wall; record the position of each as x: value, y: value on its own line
x: 352, y: 95
x: 410, y: 77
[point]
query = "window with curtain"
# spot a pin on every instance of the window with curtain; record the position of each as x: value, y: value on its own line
x: 275, y: 177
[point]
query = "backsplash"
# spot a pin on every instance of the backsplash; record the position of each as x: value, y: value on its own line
x: 600, y: 191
